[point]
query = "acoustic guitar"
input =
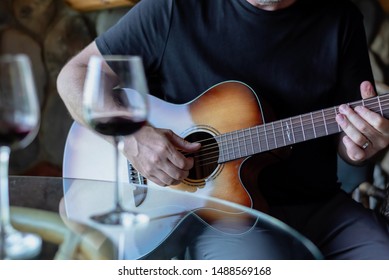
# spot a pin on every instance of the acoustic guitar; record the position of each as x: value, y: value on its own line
x: 236, y: 141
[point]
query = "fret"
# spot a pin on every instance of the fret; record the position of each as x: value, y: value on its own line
x: 298, y: 133
x: 259, y: 138
x: 262, y: 138
x: 249, y: 135
x: 332, y: 125
x: 236, y: 147
x: 324, y: 121
x: 379, y: 105
x: 219, y: 140
x: 308, y: 127
x: 285, y: 133
x: 338, y: 128
x: 266, y: 138
x: 278, y: 135
x: 230, y: 146
x: 244, y: 143
x: 313, y: 125
x: 292, y: 130
x: 319, y: 124
x: 281, y: 133
x: 274, y: 135
x: 223, y: 148
x: 302, y: 128
x: 336, y: 109
x: 270, y: 136
x: 371, y: 104
x: 241, y: 143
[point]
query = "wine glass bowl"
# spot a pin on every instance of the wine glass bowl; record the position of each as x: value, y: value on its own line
x: 121, y: 121
x: 19, y: 107
x: 115, y: 105
x: 19, y: 124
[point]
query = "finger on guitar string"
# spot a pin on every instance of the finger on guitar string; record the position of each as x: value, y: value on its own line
x: 363, y: 125
x: 181, y: 146
x: 378, y: 127
x: 367, y: 90
x: 162, y: 171
x: 153, y: 152
x: 353, y: 125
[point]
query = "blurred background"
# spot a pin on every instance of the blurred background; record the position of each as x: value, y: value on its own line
x: 50, y: 32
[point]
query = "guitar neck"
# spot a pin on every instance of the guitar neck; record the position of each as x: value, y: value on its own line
x: 285, y: 132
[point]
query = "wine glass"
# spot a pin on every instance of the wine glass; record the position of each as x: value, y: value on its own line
x: 19, y: 124
x: 115, y: 104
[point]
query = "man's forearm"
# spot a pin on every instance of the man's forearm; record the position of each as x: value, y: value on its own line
x: 70, y: 85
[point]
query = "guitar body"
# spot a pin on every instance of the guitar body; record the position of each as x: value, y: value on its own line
x: 228, y: 106
x: 228, y: 120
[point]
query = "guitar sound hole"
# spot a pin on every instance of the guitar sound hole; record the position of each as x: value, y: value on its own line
x: 205, y: 160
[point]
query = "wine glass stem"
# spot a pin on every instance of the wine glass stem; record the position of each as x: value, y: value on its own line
x: 4, y: 191
x: 118, y: 148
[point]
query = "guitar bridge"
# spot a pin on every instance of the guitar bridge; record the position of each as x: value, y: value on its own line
x: 134, y: 177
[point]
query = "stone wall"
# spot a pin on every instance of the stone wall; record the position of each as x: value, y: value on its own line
x: 49, y: 32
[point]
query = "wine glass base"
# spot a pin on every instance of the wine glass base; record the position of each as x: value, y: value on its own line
x: 121, y: 218
x: 21, y: 245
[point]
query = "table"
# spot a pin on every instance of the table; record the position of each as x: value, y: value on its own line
x: 59, y: 210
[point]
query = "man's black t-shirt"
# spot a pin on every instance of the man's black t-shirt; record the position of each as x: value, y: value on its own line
x: 309, y: 56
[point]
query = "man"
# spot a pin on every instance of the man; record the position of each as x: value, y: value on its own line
x: 297, y: 55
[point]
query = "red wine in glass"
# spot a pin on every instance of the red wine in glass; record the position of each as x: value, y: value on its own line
x: 116, y: 125
x: 12, y: 134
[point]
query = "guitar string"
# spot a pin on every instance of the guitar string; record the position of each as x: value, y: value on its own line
x: 271, y: 130
x: 274, y: 131
x: 307, y: 122
x: 214, y: 156
x: 273, y: 141
x: 254, y: 143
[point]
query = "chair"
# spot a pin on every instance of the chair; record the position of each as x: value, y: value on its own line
x: 367, y: 184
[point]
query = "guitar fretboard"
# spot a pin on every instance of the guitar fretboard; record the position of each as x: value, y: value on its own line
x: 285, y: 132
